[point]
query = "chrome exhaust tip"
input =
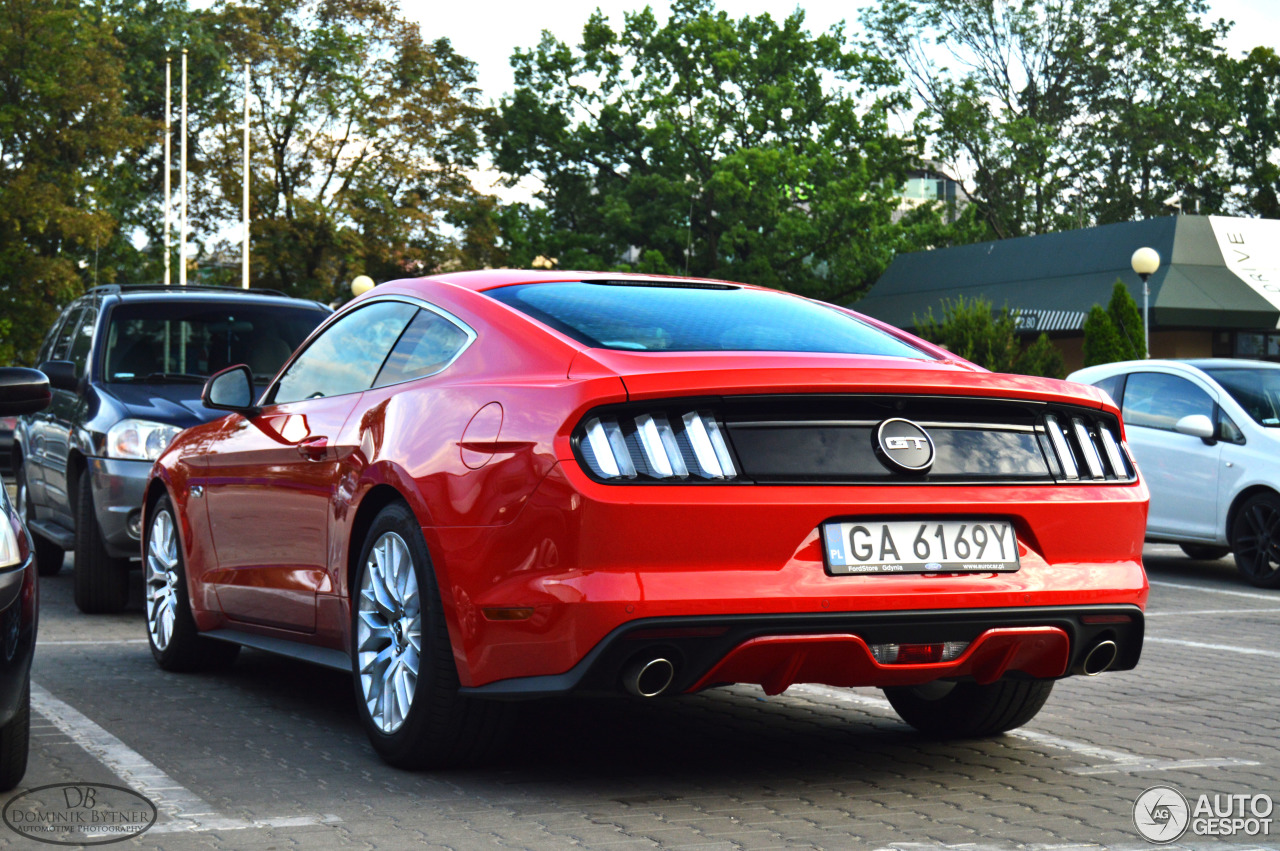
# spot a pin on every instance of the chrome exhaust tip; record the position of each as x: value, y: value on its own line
x: 1100, y: 657
x: 648, y: 677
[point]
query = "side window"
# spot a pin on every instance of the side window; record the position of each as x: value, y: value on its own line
x: 427, y: 346
x: 62, y: 345
x: 82, y: 341
x: 1156, y: 400
x: 1111, y: 386
x: 347, y: 356
x: 1228, y: 430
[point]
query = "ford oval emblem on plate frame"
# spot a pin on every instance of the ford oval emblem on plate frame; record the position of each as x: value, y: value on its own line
x: 903, y: 447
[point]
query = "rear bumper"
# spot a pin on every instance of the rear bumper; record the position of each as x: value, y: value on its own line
x: 776, y: 651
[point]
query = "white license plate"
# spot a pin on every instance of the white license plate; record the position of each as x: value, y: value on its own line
x: 920, y: 546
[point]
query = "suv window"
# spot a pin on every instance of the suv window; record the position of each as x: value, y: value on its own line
x: 191, y: 340
x: 82, y: 340
x: 347, y: 355
x: 1157, y: 400
x: 62, y: 345
x: 426, y: 346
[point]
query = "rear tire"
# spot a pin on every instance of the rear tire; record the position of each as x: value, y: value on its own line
x: 101, y: 579
x: 406, y: 682
x: 1204, y: 552
x: 1255, y: 540
x: 969, y: 710
x: 175, y: 641
x: 15, y: 740
x: 49, y: 556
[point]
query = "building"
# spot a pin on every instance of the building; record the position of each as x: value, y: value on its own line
x: 1216, y: 293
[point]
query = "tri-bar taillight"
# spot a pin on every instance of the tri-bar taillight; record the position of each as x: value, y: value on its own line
x: 687, y: 446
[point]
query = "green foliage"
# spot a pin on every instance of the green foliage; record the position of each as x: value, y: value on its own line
x: 971, y: 329
x: 747, y: 149
x: 1253, y: 148
x: 63, y: 123
x: 363, y: 134
x: 1067, y: 112
x: 1114, y: 334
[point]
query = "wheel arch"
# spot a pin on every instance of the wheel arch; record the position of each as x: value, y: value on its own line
x: 377, y: 498
x: 1240, y: 499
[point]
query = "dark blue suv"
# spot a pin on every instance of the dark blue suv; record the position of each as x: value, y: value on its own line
x: 126, y: 366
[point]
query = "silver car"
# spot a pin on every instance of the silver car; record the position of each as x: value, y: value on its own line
x: 1206, y: 438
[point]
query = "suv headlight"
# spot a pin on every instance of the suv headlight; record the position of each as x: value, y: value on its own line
x: 139, y: 439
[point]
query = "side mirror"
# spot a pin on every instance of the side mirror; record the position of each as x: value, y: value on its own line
x: 62, y: 375
x: 23, y: 391
x: 230, y: 390
x: 1196, y: 425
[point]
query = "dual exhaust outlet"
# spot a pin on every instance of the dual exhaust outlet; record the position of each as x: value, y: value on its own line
x: 651, y: 676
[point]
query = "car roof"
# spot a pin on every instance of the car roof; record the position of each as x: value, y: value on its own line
x: 1231, y: 363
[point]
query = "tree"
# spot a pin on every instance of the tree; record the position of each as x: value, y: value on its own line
x: 1066, y: 112
x: 363, y: 132
x: 1253, y: 148
x: 63, y: 128
x: 747, y: 149
x: 971, y: 329
x: 1116, y: 333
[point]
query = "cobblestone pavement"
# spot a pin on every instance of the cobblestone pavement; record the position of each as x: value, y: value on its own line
x: 269, y: 755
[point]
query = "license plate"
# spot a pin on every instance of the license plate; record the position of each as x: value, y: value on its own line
x: 920, y: 546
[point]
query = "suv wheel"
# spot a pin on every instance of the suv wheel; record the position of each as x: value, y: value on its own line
x: 101, y: 579
x: 49, y: 556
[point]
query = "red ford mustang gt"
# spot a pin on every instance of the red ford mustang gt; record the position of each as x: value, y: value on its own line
x: 483, y: 487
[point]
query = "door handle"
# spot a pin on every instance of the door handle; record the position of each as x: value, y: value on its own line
x: 314, y: 449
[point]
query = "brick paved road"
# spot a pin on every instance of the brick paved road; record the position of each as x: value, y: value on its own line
x: 269, y: 755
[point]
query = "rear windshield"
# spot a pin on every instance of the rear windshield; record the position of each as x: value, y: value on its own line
x: 186, y: 341
x: 661, y: 318
x: 1257, y: 391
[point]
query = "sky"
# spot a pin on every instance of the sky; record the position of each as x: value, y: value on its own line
x: 488, y: 32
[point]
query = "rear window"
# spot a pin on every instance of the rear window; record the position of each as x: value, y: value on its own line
x: 178, y: 341
x: 700, y: 318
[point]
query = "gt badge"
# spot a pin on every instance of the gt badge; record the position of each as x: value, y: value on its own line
x: 902, y: 446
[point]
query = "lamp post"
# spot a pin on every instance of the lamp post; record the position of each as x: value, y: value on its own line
x: 1145, y: 261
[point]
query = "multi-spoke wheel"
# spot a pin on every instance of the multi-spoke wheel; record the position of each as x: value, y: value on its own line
x: 175, y: 642
x: 406, y: 681
x: 389, y: 632
x: 1255, y: 540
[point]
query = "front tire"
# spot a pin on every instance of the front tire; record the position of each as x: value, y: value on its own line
x: 969, y: 710
x: 1255, y: 539
x: 15, y: 740
x: 49, y: 556
x: 1204, y: 552
x: 101, y: 579
x: 405, y: 678
x: 175, y: 641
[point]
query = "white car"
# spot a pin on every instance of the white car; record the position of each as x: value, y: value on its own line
x: 1206, y: 437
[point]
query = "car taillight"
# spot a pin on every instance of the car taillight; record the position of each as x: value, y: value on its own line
x: 659, y: 446
x: 1086, y: 448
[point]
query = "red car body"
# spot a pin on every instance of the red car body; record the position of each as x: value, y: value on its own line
x: 552, y: 580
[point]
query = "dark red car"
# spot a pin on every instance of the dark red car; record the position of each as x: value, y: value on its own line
x: 490, y: 486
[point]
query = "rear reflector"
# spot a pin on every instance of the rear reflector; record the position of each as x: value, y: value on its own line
x: 917, y: 654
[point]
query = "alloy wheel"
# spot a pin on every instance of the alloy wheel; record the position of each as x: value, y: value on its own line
x: 389, y: 632
x: 162, y: 579
x: 1257, y: 543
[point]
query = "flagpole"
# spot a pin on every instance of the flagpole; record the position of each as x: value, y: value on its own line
x: 168, y: 179
x: 182, y: 179
x: 244, y: 253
